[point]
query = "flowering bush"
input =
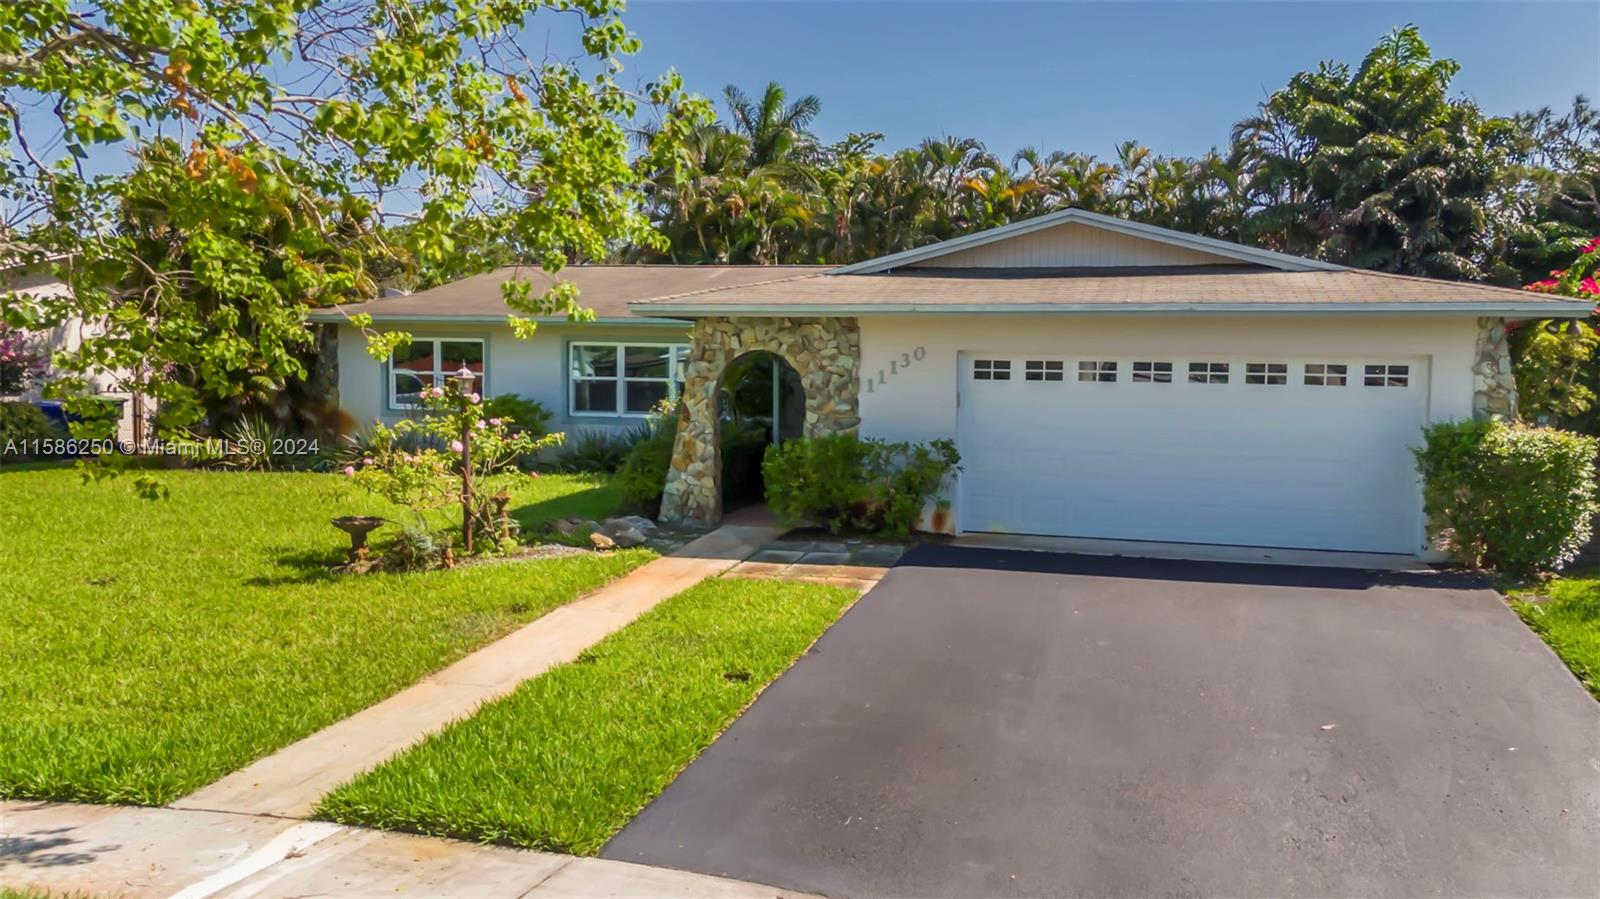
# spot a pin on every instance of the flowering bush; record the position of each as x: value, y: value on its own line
x: 1577, y: 279
x: 1557, y: 365
x: 451, y: 455
x: 21, y: 362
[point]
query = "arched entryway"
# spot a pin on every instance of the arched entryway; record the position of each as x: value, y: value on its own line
x: 761, y: 402
x: 825, y: 354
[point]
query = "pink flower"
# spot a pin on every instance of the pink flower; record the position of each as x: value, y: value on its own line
x: 366, y: 460
x: 474, y: 398
x: 532, y: 473
x: 1588, y: 285
x: 495, y: 422
x: 481, y: 424
x: 456, y: 447
x: 1592, y: 246
x: 349, y: 469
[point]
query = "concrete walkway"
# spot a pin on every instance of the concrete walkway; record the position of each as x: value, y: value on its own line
x: 128, y: 851
x: 289, y: 782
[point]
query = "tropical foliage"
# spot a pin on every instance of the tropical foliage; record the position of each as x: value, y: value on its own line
x: 1558, y: 363
x: 276, y: 144
x: 1377, y: 166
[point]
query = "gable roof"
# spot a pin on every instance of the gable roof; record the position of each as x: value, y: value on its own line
x: 1144, y: 289
x: 1222, y: 249
x: 607, y: 289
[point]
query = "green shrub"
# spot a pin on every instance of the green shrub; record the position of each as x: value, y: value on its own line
x: 643, y: 473
x: 1513, y: 497
x: 414, y: 549
x: 530, y: 416
x: 21, y: 424
x: 844, y: 482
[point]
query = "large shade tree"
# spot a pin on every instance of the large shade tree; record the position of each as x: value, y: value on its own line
x: 276, y: 146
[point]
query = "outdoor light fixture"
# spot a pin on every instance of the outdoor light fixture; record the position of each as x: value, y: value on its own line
x: 464, y: 377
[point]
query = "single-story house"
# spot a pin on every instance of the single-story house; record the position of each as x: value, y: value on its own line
x: 569, y: 368
x: 1101, y: 378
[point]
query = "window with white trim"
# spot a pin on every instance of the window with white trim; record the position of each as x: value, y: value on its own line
x: 1043, y: 370
x: 1266, y: 373
x: 1320, y: 374
x: 1208, y: 373
x: 991, y: 369
x: 624, y: 378
x: 427, y: 362
x: 1100, y: 372
x: 1152, y: 372
x: 1387, y: 375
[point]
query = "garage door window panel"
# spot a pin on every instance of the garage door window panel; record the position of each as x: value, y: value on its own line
x: 991, y: 369
x: 1389, y: 375
x: 1266, y: 374
x: 1319, y: 374
x: 1043, y: 370
x: 1152, y: 372
x: 1208, y: 372
x: 1097, y: 372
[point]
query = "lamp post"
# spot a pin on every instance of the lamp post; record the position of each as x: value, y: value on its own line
x: 463, y: 382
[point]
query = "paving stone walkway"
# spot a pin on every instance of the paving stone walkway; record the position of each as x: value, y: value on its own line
x: 853, y: 564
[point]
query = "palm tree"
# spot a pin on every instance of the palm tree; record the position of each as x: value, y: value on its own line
x: 776, y: 131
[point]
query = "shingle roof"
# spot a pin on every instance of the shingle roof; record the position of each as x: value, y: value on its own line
x: 1204, y: 288
x: 607, y: 289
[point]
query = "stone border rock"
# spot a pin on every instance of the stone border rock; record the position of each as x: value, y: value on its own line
x: 825, y: 352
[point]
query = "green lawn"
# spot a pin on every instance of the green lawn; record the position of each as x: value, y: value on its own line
x: 572, y: 755
x: 1568, y: 618
x: 152, y: 647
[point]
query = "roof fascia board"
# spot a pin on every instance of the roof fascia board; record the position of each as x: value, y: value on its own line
x: 1282, y: 261
x: 422, y: 319
x: 1578, y: 309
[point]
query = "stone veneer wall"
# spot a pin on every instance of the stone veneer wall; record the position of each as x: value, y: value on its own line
x: 1494, y: 384
x: 825, y: 352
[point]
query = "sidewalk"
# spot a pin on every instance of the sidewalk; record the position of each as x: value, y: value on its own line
x: 129, y: 851
x: 289, y: 782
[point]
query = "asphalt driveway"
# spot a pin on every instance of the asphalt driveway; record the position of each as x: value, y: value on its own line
x: 1007, y: 723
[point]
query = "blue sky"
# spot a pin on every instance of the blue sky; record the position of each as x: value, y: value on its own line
x: 1078, y: 76
x: 1086, y: 76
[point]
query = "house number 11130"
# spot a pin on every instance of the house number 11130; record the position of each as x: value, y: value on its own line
x: 896, y: 366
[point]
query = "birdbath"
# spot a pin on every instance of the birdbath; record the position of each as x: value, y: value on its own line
x: 358, y: 527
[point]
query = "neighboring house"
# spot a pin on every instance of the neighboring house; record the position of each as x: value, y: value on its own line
x: 1109, y: 379
x: 1101, y: 378
x: 571, y: 369
x: 37, y: 281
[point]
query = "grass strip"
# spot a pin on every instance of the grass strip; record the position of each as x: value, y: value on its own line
x: 571, y: 756
x: 1567, y: 616
x: 152, y: 647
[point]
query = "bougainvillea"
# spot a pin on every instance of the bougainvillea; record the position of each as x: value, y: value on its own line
x: 1577, y: 279
x: 1558, y: 371
x: 22, y: 362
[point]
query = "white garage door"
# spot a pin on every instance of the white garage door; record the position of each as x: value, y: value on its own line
x: 1309, y: 453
